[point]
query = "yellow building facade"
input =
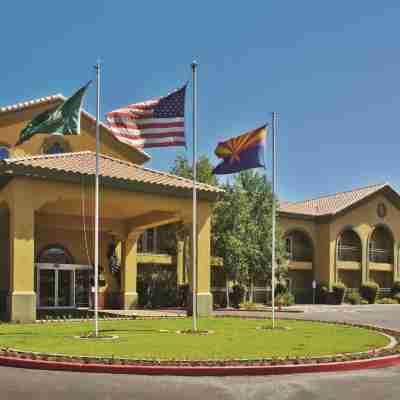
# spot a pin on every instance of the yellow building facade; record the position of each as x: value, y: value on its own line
x: 352, y: 237
x: 47, y: 208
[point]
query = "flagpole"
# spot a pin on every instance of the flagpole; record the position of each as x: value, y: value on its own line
x: 274, y: 121
x: 194, y: 224
x: 96, y: 229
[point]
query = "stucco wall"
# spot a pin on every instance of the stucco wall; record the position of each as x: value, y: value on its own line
x: 12, y: 123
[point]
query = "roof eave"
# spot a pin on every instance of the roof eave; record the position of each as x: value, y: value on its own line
x: 293, y: 215
x: 124, y: 184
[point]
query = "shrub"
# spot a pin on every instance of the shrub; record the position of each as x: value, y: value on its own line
x: 237, y: 295
x: 369, y: 291
x: 284, y: 299
x: 339, y: 290
x: 395, y: 288
x: 322, y: 291
x: 397, y: 297
x: 183, y: 293
x: 387, y: 300
x: 363, y: 301
x: 353, y: 298
x: 157, y: 288
x: 281, y: 288
x: 219, y: 299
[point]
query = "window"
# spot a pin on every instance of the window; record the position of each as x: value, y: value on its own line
x: 289, y: 247
x: 4, y: 152
x: 55, y: 254
x: 148, y: 241
x: 55, y: 148
x: 55, y: 144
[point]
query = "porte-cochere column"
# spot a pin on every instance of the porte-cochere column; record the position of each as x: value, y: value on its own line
x: 129, y: 271
x: 22, y: 297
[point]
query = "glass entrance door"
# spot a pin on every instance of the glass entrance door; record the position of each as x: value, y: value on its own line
x: 65, y: 292
x: 62, y: 285
x: 47, y: 288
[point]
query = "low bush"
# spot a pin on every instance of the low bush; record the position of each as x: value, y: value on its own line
x: 364, y: 302
x: 387, y: 300
x: 322, y: 292
x: 395, y: 288
x: 284, y: 299
x: 219, y: 299
x: 183, y: 293
x: 397, y: 297
x: 237, y: 295
x: 352, y: 298
x: 339, y: 290
x: 281, y: 288
x: 157, y: 288
x: 369, y: 291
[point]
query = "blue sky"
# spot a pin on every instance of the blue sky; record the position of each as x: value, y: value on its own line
x: 331, y: 69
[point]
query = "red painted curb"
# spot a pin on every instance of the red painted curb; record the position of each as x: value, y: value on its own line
x: 201, y: 370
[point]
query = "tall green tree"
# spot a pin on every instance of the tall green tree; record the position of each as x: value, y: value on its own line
x: 258, y: 230
x: 228, y: 234
x: 182, y: 167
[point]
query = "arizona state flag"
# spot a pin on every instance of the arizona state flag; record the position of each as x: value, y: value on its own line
x: 242, y: 152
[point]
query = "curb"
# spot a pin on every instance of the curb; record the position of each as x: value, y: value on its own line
x: 378, y: 358
x: 381, y: 362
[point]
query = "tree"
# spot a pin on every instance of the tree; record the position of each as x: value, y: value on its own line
x: 183, y: 168
x: 258, y: 230
x: 228, y: 235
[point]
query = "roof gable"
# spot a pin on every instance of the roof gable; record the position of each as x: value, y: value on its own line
x: 334, y: 204
x: 11, y: 115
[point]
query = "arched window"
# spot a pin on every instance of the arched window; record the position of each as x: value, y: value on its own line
x: 349, y: 246
x: 381, y: 245
x: 4, y: 152
x: 55, y: 148
x: 55, y: 254
x: 55, y: 144
x: 299, y: 246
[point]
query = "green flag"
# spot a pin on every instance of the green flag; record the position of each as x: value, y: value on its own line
x: 64, y: 119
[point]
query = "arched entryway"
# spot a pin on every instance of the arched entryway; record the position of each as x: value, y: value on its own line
x: 60, y: 283
x: 300, y: 252
x: 348, y: 258
x: 381, y: 256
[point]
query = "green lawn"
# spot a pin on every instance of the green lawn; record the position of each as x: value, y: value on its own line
x: 232, y: 338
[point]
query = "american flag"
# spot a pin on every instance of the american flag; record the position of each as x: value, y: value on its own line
x: 153, y: 123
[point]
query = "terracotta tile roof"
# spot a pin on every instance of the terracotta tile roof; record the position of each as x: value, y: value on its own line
x: 31, y: 103
x: 54, y: 99
x: 329, y: 205
x: 84, y: 163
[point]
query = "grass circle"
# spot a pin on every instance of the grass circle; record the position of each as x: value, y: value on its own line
x: 233, y: 339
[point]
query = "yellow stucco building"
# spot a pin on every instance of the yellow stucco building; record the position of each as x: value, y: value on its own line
x: 46, y: 230
x: 352, y: 237
x: 47, y: 207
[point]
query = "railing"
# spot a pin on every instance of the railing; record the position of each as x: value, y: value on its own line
x: 381, y: 256
x: 301, y: 257
x: 349, y: 253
